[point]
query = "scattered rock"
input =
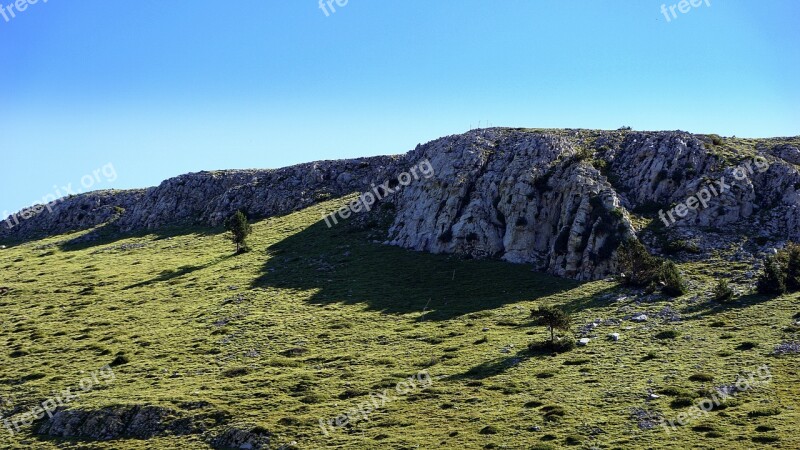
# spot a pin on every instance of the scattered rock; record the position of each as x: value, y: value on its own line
x: 614, y: 336
x: 584, y: 342
x: 234, y: 438
x: 646, y: 419
x: 639, y: 318
x: 786, y: 348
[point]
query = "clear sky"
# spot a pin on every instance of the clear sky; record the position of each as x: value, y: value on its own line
x: 161, y: 88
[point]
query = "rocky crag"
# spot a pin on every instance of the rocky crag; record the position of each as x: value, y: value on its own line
x: 561, y: 200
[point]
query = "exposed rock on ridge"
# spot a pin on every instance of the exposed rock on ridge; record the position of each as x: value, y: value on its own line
x: 559, y: 199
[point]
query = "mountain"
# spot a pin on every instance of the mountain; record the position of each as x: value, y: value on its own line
x: 128, y: 321
x: 562, y: 200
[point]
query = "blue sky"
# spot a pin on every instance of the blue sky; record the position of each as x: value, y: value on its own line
x: 162, y: 88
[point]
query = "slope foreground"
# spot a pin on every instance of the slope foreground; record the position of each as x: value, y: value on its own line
x: 205, y: 349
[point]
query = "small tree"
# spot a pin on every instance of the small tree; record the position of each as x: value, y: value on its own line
x: 793, y: 267
x: 673, y: 282
x: 553, y: 318
x: 773, y: 279
x: 722, y: 292
x: 239, y: 228
x: 638, y: 266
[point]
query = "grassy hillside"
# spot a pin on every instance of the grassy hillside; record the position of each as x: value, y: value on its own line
x: 314, y: 320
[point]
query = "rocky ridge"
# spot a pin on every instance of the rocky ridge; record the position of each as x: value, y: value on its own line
x: 561, y: 200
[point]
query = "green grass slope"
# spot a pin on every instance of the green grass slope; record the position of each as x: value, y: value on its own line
x: 314, y: 321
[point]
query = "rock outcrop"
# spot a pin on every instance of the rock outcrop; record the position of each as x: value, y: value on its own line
x: 123, y: 422
x: 561, y: 200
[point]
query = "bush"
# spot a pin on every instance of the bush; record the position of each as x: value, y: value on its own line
x: 639, y: 268
x: 673, y: 282
x: 722, y: 292
x: 793, y: 267
x: 781, y: 272
x: 704, y: 377
x: 669, y: 334
x: 715, y: 139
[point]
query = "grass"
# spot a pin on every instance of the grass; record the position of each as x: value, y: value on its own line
x: 314, y: 320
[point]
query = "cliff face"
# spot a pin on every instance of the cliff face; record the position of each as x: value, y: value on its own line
x: 559, y: 199
x: 519, y: 196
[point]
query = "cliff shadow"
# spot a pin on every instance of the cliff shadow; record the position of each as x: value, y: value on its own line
x: 345, y: 264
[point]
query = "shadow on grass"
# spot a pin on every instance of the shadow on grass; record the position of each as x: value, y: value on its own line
x: 168, y: 275
x: 596, y: 300
x: 342, y: 266
x: 500, y: 365
x: 709, y: 308
x: 108, y: 234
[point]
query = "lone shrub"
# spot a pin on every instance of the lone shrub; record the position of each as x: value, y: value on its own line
x: 639, y: 268
x: 672, y: 280
x: 781, y: 272
x: 239, y: 228
x: 553, y: 318
x: 793, y: 267
x: 722, y: 292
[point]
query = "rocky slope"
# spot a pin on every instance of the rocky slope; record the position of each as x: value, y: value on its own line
x: 559, y: 199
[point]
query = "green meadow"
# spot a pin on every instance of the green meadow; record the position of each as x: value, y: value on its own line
x: 314, y: 321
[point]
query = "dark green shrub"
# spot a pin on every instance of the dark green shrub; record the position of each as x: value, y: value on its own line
x: 781, y: 272
x: 764, y: 412
x: 673, y: 281
x: 704, y: 377
x: 670, y: 334
x: 793, y: 267
x: 637, y: 266
x: 772, y: 280
x: 722, y: 292
x: 235, y: 372
x: 715, y: 139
